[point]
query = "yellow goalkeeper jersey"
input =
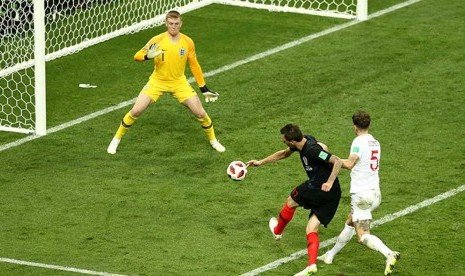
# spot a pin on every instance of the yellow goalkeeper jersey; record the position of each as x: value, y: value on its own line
x: 171, y: 65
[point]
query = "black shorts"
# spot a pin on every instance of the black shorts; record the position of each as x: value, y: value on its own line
x: 322, y: 204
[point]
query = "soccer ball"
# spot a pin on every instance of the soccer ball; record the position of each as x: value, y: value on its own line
x: 237, y: 170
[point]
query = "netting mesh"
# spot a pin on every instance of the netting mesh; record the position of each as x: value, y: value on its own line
x: 17, y: 45
x: 17, y: 101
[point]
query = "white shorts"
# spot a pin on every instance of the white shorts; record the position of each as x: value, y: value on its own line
x: 363, y: 203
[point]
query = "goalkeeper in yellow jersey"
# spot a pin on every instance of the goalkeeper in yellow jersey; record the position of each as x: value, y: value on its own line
x: 170, y: 51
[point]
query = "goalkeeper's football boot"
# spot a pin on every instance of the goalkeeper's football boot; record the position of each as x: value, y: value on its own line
x: 272, y: 224
x: 217, y: 146
x: 309, y: 270
x: 391, y: 261
x: 325, y: 258
x: 113, y: 145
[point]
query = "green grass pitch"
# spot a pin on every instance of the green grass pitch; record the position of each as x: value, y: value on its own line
x: 163, y: 204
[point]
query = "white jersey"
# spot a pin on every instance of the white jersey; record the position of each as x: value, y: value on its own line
x: 364, y: 175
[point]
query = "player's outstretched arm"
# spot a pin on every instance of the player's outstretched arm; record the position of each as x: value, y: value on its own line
x: 350, y: 162
x: 272, y: 158
x: 253, y: 163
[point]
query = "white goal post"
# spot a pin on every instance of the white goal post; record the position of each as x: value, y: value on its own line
x: 33, y: 32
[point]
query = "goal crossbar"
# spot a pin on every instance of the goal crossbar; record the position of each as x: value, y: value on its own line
x: 285, y: 8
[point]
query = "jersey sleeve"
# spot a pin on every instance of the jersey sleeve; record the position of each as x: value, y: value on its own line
x: 355, y: 147
x: 140, y: 55
x: 318, y: 153
x: 194, y: 64
x: 324, y: 155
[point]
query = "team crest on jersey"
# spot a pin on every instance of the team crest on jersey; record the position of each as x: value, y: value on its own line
x: 182, y: 52
x: 307, y: 167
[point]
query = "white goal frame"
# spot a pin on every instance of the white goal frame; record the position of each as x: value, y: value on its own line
x: 360, y: 13
x: 354, y: 9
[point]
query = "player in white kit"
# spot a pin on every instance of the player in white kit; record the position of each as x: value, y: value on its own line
x: 363, y: 161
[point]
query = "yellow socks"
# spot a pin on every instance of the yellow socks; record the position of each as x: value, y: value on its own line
x: 126, y: 123
x: 207, y: 126
x: 129, y: 120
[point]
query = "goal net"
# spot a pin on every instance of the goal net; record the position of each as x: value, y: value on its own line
x: 33, y: 32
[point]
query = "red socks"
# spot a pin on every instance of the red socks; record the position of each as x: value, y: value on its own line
x: 285, y: 216
x: 313, y: 243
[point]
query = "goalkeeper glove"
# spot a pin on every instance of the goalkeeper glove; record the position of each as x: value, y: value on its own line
x: 209, y: 95
x: 153, y: 51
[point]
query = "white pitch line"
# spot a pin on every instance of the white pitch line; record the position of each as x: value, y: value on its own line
x: 381, y: 221
x: 66, y: 125
x: 57, y: 267
x: 214, y: 72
